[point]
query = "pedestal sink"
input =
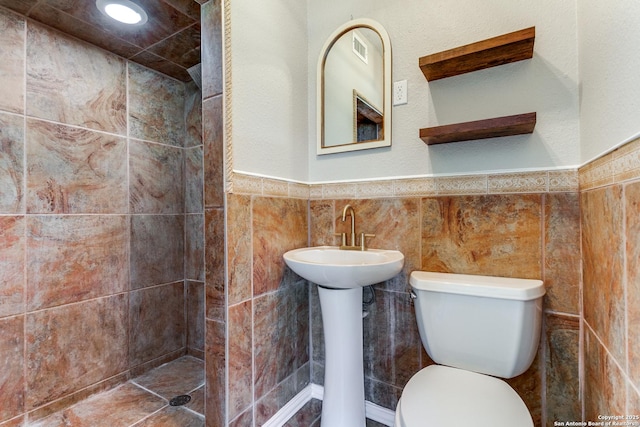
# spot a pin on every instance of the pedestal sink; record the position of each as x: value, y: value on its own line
x: 340, y: 276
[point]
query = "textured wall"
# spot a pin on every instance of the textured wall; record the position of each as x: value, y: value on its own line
x: 100, y: 216
x: 608, y: 95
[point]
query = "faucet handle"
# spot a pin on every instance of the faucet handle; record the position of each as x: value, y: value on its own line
x: 363, y: 236
x: 343, y: 238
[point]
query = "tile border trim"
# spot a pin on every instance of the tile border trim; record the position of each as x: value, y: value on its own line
x: 507, y: 183
x: 620, y: 165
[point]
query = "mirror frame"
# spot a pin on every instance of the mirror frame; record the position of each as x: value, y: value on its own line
x: 386, y: 47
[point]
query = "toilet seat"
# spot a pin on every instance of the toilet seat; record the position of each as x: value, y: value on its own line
x: 449, y: 397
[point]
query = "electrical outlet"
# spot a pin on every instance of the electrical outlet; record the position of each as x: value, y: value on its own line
x: 400, y: 92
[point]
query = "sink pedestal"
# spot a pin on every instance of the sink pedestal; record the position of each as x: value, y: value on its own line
x: 343, y: 401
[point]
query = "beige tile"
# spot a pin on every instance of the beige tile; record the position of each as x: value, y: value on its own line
x: 518, y: 183
x: 216, y: 373
x: 121, y: 406
x: 626, y: 162
x: 11, y: 162
x: 632, y: 214
x: 14, y: 422
x: 389, y: 357
x: 562, y: 263
x: 278, y: 226
x: 564, y: 180
x: 195, y: 316
x: 604, y: 391
x: 274, y: 187
x: 247, y: 184
x: 73, y: 170
x: 213, y: 142
x: 194, y: 249
x: 322, y: 227
x: 299, y: 191
x: 212, y: 42
x: 194, y: 180
x: 172, y: 417
x: 415, y: 187
x: 69, y: 257
x: 374, y: 189
x: 193, y: 106
x: 152, y: 336
x: 197, y: 402
x: 562, y: 368
x: 462, y: 185
x: 495, y: 235
x: 181, y: 376
x: 240, y: 358
x: 157, y: 249
x: 239, y: 247
x: 74, y: 346
x: 156, y: 183
x: 268, y: 404
x: 12, y: 367
x: 596, y: 174
x: 156, y: 107
x: 339, y: 191
x: 603, y: 263
x: 12, y: 263
x: 12, y: 42
x: 243, y: 420
x: 281, y: 333
x: 214, y: 264
x: 395, y: 223
x: 74, y: 83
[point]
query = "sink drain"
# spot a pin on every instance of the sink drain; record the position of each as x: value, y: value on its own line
x: 183, y: 399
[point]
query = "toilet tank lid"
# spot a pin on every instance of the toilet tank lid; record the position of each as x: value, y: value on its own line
x: 481, y: 286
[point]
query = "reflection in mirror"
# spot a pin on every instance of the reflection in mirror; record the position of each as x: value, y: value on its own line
x: 354, y: 79
x: 368, y: 125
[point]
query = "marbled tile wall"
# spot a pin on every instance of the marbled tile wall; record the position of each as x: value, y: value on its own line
x: 268, y: 307
x: 610, y: 202
x: 214, y: 215
x: 101, y: 219
x: 518, y: 235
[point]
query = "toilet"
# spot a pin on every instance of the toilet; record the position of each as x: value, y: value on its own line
x: 477, y: 329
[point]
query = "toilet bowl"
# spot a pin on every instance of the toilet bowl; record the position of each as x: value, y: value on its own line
x: 476, y: 328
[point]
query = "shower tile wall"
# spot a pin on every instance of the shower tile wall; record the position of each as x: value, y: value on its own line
x: 214, y: 214
x: 101, y: 218
x: 268, y: 307
x: 521, y: 235
x: 610, y: 203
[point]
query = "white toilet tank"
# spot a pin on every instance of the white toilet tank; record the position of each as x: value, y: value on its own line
x: 484, y: 324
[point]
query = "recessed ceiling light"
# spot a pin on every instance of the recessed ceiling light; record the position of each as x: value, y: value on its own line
x: 124, y: 11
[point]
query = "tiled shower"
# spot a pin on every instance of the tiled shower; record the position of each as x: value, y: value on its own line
x: 102, y: 262
x: 101, y: 219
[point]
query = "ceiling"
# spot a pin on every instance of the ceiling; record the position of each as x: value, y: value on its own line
x: 169, y: 42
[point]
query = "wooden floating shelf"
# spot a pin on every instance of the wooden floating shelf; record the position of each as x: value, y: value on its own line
x: 500, y: 50
x: 480, y: 129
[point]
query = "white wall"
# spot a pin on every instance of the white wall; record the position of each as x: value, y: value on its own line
x: 275, y: 49
x: 609, y: 35
x: 547, y: 84
x: 269, y: 88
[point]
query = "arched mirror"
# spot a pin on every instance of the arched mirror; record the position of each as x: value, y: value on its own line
x: 354, y: 89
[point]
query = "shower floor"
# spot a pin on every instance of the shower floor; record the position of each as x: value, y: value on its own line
x: 143, y: 401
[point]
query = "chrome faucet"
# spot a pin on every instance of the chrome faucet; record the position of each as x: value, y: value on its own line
x: 353, y: 245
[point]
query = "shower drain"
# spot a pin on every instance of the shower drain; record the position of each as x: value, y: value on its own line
x: 183, y: 399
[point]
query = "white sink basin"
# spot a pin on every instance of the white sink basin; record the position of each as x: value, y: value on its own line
x: 332, y: 267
